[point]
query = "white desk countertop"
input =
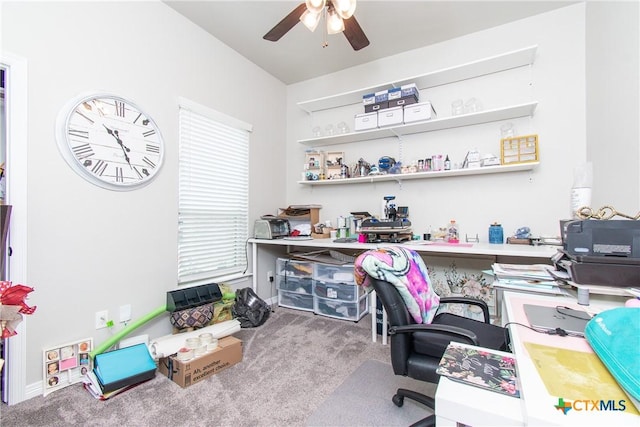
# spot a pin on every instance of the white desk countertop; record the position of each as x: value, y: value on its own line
x: 460, y: 403
x: 538, y: 404
x: 526, y: 251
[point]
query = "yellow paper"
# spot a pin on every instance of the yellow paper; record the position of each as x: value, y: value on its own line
x: 575, y: 375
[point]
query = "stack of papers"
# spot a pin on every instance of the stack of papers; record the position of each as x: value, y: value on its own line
x: 537, y: 278
x: 523, y: 271
x: 92, y: 385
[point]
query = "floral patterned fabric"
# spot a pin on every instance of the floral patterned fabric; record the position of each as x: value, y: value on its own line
x: 405, y: 269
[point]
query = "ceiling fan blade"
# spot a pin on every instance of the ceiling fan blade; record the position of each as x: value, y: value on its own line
x: 287, y: 23
x: 353, y: 32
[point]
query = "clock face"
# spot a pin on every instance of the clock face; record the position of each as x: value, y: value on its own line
x: 110, y: 141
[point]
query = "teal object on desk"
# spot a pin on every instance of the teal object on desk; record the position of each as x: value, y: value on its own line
x: 496, y: 234
x: 614, y: 336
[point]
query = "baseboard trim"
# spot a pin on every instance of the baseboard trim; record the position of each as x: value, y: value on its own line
x: 33, y: 390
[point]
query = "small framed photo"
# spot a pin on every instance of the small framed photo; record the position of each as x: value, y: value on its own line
x: 53, y: 368
x: 52, y: 381
x: 84, y: 359
x: 67, y: 352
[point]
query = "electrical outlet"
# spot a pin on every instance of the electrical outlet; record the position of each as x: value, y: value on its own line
x: 270, y: 276
x: 101, y: 319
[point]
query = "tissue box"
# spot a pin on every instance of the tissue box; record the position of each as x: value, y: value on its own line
x: 410, y: 90
x: 228, y: 353
x: 382, y: 96
x: 390, y: 116
x: 381, y: 102
x: 366, y: 121
x: 394, y: 93
x: 409, y: 94
x: 418, y: 112
x: 368, y: 99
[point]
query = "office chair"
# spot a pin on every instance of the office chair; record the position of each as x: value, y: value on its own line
x: 416, y: 349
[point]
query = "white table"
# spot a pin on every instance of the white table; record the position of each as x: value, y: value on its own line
x: 537, y: 404
x: 460, y: 403
x: 500, y: 253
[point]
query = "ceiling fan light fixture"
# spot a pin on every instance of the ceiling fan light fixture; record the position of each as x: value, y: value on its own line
x: 315, y: 6
x: 335, y: 24
x: 310, y: 20
x: 345, y: 8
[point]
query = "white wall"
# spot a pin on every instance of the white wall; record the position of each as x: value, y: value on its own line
x: 537, y: 199
x: 91, y: 249
x: 613, y: 103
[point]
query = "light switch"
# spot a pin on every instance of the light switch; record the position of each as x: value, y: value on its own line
x: 125, y: 313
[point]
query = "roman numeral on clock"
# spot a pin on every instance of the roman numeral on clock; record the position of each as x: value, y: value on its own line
x: 153, y: 149
x: 83, y: 151
x: 119, y: 108
x: 84, y: 116
x: 99, y: 167
x: 148, y: 133
x: 149, y: 162
x: 79, y: 133
x: 119, y: 176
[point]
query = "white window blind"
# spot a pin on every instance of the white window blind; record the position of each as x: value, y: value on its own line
x: 213, y: 194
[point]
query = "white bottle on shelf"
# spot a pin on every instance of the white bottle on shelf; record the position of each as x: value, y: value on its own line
x: 581, y: 190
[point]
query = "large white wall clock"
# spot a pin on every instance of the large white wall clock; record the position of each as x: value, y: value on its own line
x: 109, y: 141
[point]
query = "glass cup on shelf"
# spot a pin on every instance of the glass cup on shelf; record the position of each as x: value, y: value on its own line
x: 329, y: 130
x: 507, y: 130
x: 343, y: 127
x: 472, y: 106
x: 457, y: 107
x: 317, y: 132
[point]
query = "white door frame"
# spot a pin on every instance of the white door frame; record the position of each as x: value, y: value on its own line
x: 16, y: 93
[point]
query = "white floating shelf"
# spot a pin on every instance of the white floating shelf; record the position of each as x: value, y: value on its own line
x: 493, y: 64
x: 480, y: 117
x: 426, y: 175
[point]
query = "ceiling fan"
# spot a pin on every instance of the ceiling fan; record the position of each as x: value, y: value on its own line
x: 338, y: 15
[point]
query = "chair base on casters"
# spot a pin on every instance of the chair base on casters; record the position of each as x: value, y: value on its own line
x: 398, y: 400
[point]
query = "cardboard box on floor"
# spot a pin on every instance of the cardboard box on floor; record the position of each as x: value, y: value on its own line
x: 228, y: 353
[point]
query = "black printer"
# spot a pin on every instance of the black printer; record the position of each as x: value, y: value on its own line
x: 601, y: 252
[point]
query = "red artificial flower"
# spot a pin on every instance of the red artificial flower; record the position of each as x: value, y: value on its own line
x: 15, y: 295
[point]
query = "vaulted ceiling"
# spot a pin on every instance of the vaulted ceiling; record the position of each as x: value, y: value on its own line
x: 391, y: 27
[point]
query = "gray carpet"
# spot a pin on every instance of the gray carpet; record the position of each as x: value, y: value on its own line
x: 364, y: 399
x: 291, y: 365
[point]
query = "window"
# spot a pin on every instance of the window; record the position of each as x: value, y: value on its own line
x: 213, y: 195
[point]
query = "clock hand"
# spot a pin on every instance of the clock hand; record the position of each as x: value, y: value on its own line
x: 109, y: 131
x: 120, y: 141
x: 114, y: 133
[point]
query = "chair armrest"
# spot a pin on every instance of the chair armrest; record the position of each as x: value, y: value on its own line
x: 460, y: 333
x: 471, y: 301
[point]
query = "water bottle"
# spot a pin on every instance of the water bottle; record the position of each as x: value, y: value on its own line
x: 496, y: 234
